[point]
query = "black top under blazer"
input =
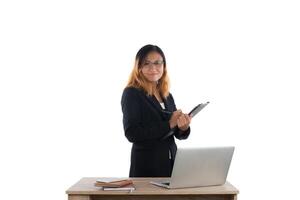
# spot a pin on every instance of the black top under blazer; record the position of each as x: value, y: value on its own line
x: 145, y: 125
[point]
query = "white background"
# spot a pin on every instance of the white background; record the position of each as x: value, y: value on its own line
x: 64, y: 64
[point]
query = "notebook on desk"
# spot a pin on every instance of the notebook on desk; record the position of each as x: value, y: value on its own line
x: 194, y: 167
x: 115, y: 184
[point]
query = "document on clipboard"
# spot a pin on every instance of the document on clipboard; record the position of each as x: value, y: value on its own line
x: 192, y: 113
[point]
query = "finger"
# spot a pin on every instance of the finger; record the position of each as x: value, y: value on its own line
x: 182, y: 119
x: 180, y: 115
x: 179, y: 111
x: 178, y: 123
x: 187, y: 118
x: 176, y: 114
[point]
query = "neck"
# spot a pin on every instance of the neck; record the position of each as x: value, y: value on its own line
x: 155, y: 89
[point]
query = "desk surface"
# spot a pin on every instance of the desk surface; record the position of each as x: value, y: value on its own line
x: 85, y: 186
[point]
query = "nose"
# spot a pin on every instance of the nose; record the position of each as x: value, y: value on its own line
x: 152, y: 67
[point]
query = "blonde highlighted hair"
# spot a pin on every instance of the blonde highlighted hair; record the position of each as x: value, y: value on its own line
x: 138, y: 80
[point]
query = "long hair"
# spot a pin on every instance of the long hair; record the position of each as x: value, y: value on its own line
x: 138, y: 80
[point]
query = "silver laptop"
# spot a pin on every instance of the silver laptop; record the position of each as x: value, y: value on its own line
x: 194, y: 167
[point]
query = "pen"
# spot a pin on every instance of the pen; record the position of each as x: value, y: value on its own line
x: 165, y: 111
x: 129, y: 189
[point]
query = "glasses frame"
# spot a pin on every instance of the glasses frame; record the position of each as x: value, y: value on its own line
x: 156, y: 64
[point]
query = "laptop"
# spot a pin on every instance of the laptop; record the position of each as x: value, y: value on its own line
x: 195, y: 167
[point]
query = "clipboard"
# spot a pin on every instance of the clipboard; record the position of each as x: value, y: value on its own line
x: 192, y: 113
x: 197, y: 109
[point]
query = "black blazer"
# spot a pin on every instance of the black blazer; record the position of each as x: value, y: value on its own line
x: 145, y: 125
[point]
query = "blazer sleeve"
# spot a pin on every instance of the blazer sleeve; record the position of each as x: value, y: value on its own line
x: 179, y: 134
x: 135, y: 129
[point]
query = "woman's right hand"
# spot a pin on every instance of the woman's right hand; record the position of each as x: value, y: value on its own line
x: 175, y: 115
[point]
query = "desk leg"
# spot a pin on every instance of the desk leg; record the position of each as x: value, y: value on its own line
x: 79, y: 197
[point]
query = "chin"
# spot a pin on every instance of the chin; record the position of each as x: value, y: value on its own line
x: 154, y: 80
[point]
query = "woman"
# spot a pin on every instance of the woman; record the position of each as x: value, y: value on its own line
x: 149, y: 114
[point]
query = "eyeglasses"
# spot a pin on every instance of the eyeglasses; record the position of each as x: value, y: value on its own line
x: 157, y: 64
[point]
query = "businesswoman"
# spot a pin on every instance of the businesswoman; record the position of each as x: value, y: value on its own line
x: 149, y: 114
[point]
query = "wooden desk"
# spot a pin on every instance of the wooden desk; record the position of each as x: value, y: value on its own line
x: 85, y: 190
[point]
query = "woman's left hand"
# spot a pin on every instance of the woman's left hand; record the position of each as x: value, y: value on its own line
x: 183, y: 122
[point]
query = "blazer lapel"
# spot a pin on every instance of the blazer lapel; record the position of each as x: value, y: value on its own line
x: 167, y: 105
x: 154, y: 102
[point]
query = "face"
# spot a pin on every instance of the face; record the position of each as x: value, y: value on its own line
x: 153, y: 67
